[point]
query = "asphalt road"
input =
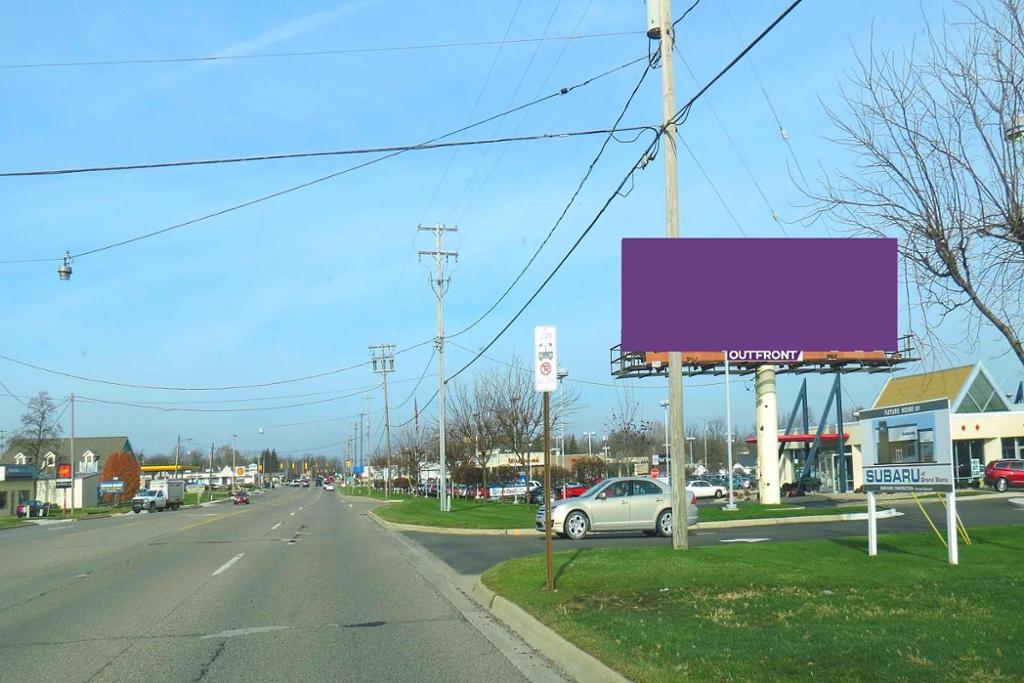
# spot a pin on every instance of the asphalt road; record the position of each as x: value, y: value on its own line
x: 298, y: 586
x: 475, y: 554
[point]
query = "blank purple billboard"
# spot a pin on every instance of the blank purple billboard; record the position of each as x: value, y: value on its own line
x: 705, y: 294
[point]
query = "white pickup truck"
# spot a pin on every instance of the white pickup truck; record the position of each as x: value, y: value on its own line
x: 162, y: 494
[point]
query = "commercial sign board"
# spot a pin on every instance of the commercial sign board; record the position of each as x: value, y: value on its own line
x: 62, y: 483
x: 64, y: 471
x: 545, y: 358
x: 710, y: 294
x: 112, y: 486
x: 907, y: 448
x: 773, y: 356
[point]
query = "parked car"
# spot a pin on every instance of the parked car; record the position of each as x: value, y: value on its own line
x: 617, y: 504
x: 705, y: 489
x: 329, y: 487
x: 1002, y: 474
x: 36, y: 508
x: 240, y: 497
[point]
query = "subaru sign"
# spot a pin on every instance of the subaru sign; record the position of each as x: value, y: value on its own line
x: 907, y: 448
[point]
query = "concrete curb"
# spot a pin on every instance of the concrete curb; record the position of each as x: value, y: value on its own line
x: 580, y: 665
x: 1015, y: 502
x: 452, y: 531
x: 19, y: 525
x: 809, y: 519
x: 728, y: 524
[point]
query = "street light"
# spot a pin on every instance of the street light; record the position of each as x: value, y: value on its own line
x: 64, y: 270
x: 691, y: 439
x: 1014, y: 130
x: 590, y: 448
x: 664, y: 404
x: 562, y: 374
x: 234, y: 451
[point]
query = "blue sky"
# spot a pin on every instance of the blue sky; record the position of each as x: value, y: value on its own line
x: 303, y: 283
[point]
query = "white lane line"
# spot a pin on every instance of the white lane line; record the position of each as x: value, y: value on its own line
x: 246, y: 631
x: 743, y: 540
x: 350, y: 505
x: 301, y: 506
x: 275, y: 526
x: 291, y: 514
x: 227, y: 565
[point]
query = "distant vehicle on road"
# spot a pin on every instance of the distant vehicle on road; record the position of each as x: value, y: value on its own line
x: 305, y: 483
x: 240, y: 497
x: 617, y: 504
x: 35, y: 508
x: 705, y: 489
x: 328, y: 487
x: 162, y: 494
x: 1002, y: 474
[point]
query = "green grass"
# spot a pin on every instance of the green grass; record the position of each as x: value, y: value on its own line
x: 820, y: 610
x: 465, y: 514
x: 196, y: 498
x: 367, y: 492
x: 9, y: 520
x: 714, y: 513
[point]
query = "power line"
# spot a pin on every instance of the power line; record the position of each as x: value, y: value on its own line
x: 114, y: 383
x: 168, y: 409
x: 645, y: 157
x: 558, y: 93
x: 714, y: 188
x: 565, y: 210
x: 11, y: 394
x: 316, y: 53
x: 307, y: 155
x: 312, y: 422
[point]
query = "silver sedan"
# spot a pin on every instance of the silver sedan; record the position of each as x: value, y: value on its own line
x: 617, y: 504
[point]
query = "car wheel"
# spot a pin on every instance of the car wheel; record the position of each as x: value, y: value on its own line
x: 664, y: 525
x: 152, y: 506
x: 1001, y: 484
x: 576, y: 525
x: 718, y: 493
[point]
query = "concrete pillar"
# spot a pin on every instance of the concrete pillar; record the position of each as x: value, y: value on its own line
x: 767, y: 435
x: 787, y: 473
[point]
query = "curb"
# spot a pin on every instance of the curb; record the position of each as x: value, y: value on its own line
x: 727, y: 524
x: 808, y: 519
x: 19, y: 525
x: 580, y: 665
x: 1015, y: 502
x: 452, y: 531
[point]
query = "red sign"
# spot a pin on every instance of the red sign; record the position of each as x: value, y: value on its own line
x: 64, y: 471
x: 655, y: 473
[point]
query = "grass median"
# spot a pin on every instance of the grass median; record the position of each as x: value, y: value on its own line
x: 714, y: 513
x: 805, y: 610
x: 465, y: 514
x: 367, y: 492
x: 196, y: 498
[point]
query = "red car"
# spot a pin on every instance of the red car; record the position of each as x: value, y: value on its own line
x: 240, y: 497
x: 1002, y: 474
x: 571, y: 490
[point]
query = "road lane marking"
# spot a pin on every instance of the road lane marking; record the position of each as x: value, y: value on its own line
x: 275, y: 526
x: 227, y: 565
x: 246, y: 631
x: 301, y: 506
x: 350, y: 505
x: 743, y: 540
x: 291, y: 514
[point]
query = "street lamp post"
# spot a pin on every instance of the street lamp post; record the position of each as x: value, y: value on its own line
x: 668, y: 471
x: 562, y: 374
x: 590, y: 447
x: 234, y: 451
x: 705, y: 444
x: 1014, y: 130
x: 690, y: 440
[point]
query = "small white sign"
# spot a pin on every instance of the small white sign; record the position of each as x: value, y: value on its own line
x: 545, y: 358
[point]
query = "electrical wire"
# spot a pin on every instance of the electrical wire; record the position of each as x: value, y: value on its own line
x: 167, y: 409
x: 317, y: 53
x: 714, y: 188
x: 312, y: 422
x: 558, y: 93
x: 677, y: 118
x: 565, y: 210
x: 419, y: 381
x: 307, y: 155
x: 129, y: 385
x: 11, y: 394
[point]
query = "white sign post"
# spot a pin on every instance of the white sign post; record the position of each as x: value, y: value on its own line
x: 545, y: 380
x: 909, y: 448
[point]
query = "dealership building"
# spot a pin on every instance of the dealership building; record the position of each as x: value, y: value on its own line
x: 985, y: 426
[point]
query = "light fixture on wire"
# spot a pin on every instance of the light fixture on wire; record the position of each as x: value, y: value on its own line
x: 64, y: 270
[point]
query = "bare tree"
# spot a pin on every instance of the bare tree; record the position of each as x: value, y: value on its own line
x: 472, y: 417
x: 938, y: 141
x: 40, y: 430
x: 629, y: 436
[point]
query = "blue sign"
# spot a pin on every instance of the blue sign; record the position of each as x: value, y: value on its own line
x: 357, y: 469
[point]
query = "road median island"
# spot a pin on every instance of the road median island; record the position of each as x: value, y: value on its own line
x: 465, y: 514
x: 817, y: 609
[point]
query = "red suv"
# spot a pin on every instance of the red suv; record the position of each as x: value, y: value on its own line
x: 1001, y: 474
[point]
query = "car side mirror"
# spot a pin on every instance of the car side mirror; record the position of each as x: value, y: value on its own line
x: 602, y: 495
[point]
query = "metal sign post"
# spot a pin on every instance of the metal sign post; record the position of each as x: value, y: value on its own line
x: 545, y: 342
x: 909, y: 448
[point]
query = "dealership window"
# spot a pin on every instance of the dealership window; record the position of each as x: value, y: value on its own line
x: 3, y: 500
x: 23, y: 496
x: 981, y: 397
x: 965, y: 451
x: 1013, y: 447
x: 21, y: 459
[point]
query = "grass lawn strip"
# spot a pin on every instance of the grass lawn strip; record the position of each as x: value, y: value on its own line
x: 710, y: 513
x: 465, y: 514
x: 804, y: 610
x: 365, y: 492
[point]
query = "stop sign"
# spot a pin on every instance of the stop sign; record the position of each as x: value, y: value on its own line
x: 655, y: 473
